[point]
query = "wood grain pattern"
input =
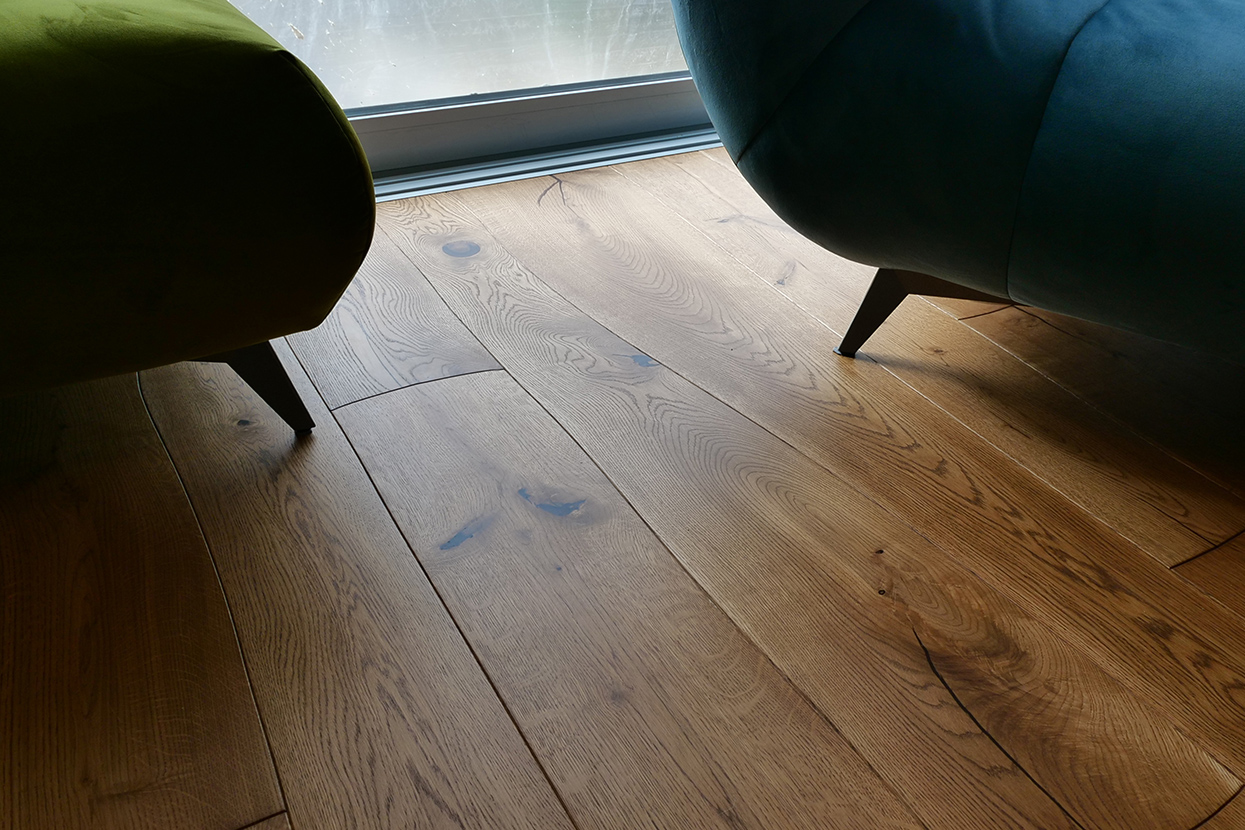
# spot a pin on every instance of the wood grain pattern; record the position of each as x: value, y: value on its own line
x: 123, y: 699
x: 966, y: 309
x: 601, y: 645
x: 280, y: 821
x: 874, y: 624
x: 377, y: 712
x: 1163, y: 506
x: 1231, y: 817
x: 1221, y: 573
x: 1192, y: 372
x: 727, y: 183
x: 385, y: 333
x: 1160, y: 504
x: 682, y: 301
x: 1185, y: 402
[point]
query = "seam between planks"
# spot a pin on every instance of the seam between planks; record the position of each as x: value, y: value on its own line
x: 233, y: 624
x: 445, y: 606
x: 930, y: 659
x: 407, y: 386
x: 982, y: 314
x: 1211, y: 549
x: 1222, y: 807
x: 264, y: 819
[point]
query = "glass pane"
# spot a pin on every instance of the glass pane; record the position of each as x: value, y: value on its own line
x: 381, y: 52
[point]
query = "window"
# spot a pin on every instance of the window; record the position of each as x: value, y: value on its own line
x: 381, y: 53
x: 438, y: 85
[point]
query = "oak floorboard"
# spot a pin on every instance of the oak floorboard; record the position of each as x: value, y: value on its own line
x: 919, y: 663
x: 966, y: 309
x: 1200, y: 376
x: 384, y: 334
x: 1231, y: 817
x: 1145, y: 494
x: 601, y: 645
x: 280, y: 821
x: 852, y: 275
x: 1188, y: 403
x: 1155, y: 501
x: 1221, y: 573
x: 377, y: 712
x: 124, y: 702
x: 631, y: 265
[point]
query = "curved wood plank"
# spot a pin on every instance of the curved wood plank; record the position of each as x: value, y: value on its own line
x: 123, y: 697
x: 385, y: 333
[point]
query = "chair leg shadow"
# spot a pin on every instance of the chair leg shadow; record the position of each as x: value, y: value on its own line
x: 888, y: 290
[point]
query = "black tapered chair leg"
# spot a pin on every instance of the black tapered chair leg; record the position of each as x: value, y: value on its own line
x: 888, y: 290
x: 260, y: 367
x: 885, y: 294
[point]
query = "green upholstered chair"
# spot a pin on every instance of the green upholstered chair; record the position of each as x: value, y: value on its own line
x: 1084, y: 156
x: 173, y: 185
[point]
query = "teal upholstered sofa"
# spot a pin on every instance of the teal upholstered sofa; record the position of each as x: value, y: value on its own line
x: 1084, y: 156
x: 174, y: 186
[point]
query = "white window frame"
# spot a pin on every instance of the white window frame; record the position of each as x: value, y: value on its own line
x: 461, y: 142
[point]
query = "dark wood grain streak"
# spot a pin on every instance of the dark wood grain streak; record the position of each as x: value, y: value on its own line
x: 602, y: 646
x: 385, y: 333
x: 1230, y: 817
x: 688, y: 305
x: 378, y: 714
x: 281, y: 821
x: 1221, y: 573
x: 123, y: 698
x: 823, y: 580
x: 966, y: 309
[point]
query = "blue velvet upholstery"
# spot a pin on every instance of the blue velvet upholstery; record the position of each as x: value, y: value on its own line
x: 1082, y: 155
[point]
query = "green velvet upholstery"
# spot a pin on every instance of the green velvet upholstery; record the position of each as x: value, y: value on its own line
x: 1085, y: 156
x: 175, y: 184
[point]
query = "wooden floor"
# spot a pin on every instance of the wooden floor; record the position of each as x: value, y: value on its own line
x: 595, y: 531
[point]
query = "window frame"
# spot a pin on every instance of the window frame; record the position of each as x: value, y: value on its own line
x: 445, y: 144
